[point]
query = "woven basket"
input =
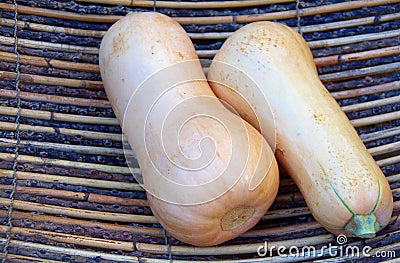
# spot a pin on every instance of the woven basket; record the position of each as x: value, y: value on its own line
x: 66, y: 192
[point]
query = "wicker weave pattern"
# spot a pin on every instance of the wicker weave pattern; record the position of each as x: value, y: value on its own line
x: 61, y: 158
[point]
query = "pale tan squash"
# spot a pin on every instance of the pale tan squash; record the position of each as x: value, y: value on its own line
x: 315, y: 142
x: 209, y: 175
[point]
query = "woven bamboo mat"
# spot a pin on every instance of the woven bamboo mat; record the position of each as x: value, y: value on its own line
x: 66, y: 192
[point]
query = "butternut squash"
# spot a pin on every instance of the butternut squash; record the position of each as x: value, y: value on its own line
x: 315, y: 142
x: 209, y: 175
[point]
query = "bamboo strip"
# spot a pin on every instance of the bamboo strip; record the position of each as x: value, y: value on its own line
x: 393, y: 179
x: 231, y: 249
x: 310, y: 11
x: 361, y: 72
x: 321, y: 61
x: 9, y: 126
x: 71, y: 251
x: 106, y: 104
x: 375, y: 53
x: 243, y: 249
x: 206, y: 53
x: 27, y: 10
x: 210, y: 35
x: 327, y: 255
x: 383, y: 149
x: 396, y: 192
x: 285, y: 213
x: 371, y: 104
x: 107, y: 184
x: 161, y: 260
x: 283, y: 230
x: 393, y: 260
x: 92, y: 182
x: 191, y: 5
x: 48, y: 45
x: 90, y: 197
x: 330, y: 8
x: 352, y: 39
x: 389, y: 161
x: 286, y: 182
x: 375, y: 119
x: 93, y: 33
x: 8, y: 41
x: 292, y: 197
x: 396, y: 206
x: 104, y: 184
x: 48, y: 115
x: 80, y: 213
x: 266, y: 259
x: 10, y: 111
x: 53, y: 81
x: 368, y: 137
x: 157, y: 232
x: 23, y: 205
x: 72, y: 48
x: 97, y: 198
x: 207, y: 35
x: 81, y: 149
x: 94, y: 150
x: 184, y: 248
x: 35, y: 191
x: 52, y: 29
x: 269, y: 258
x: 202, y: 53
x: 72, y: 239
x: 349, y: 23
x: 49, y: 62
x: 55, y: 99
x: 327, y: 42
x: 20, y: 258
x: 58, y: 179
x: 64, y: 163
x: 98, y: 226
x: 345, y: 94
x: 105, y: 199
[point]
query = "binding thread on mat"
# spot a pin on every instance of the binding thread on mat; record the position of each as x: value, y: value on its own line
x: 17, y: 137
x: 168, y: 245
x: 298, y: 16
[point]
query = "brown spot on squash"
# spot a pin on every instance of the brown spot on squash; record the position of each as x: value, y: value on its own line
x: 119, y: 44
x: 236, y: 217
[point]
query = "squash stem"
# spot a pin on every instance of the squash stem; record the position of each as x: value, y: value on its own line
x: 364, y: 226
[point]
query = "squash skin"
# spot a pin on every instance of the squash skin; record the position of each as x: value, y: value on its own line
x: 315, y: 142
x: 133, y: 50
